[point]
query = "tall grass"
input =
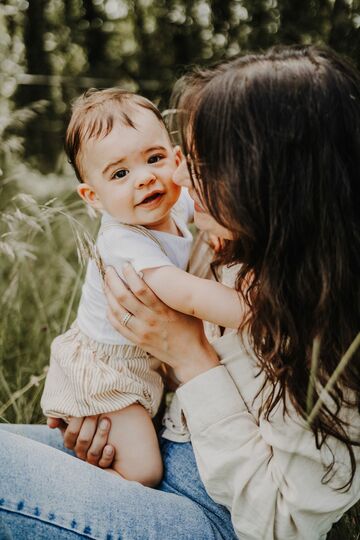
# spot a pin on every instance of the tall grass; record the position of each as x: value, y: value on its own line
x: 40, y: 282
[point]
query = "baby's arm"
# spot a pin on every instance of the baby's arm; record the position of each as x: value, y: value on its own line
x: 203, y: 298
x: 137, y: 453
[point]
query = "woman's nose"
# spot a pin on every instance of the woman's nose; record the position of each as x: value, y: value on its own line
x: 181, y: 175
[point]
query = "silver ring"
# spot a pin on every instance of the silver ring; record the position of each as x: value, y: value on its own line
x: 126, y: 318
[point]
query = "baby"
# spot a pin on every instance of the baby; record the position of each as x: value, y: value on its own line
x: 122, y: 155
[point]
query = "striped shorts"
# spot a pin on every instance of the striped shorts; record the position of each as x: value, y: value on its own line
x: 86, y: 377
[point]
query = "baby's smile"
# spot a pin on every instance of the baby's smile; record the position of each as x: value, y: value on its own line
x: 152, y: 199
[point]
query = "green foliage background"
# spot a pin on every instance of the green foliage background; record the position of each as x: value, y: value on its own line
x: 55, y: 49
x: 50, y: 51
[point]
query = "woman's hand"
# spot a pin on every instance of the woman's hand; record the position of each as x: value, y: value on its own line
x: 88, y: 438
x: 175, y: 338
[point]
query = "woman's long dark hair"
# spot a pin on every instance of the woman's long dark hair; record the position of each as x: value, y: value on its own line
x: 275, y: 142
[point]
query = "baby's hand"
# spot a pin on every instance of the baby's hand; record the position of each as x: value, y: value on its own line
x: 215, y: 242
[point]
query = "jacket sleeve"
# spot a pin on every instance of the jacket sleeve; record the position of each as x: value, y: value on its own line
x: 268, y: 473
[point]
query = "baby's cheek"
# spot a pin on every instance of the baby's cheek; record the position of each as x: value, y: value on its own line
x: 176, y: 191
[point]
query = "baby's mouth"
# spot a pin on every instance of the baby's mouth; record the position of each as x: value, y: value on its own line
x: 151, y: 198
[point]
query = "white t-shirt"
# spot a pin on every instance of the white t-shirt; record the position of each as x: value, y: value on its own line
x: 117, y: 245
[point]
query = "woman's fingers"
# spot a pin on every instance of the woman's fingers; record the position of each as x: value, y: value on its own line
x: 88, y: 438
x: 72, y: 431
x: 121, y: 303
x: 99, y: 452
x: 135, y: 296
x: 138, y: 300
x: 115, y: 315
x: 140, y: 289
x: 107, y: 457
x: 120, y: 296
x: 136, y: 327
x: 116, y: 301
x: 54, y: 423
x: 85, y: 437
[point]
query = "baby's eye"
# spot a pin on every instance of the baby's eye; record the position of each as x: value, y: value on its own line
x: 120, y: 174
x: 155, y: 158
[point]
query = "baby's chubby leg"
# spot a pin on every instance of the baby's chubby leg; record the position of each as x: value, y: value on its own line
x: 137, y: 453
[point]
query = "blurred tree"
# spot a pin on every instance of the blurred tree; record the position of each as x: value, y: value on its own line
x: 264, y: 23
x: 344, y: 34
x: 95, y: 41
x: 299, y: 22
x: 7, y: 88
x: 38, y: 141
x: 37, y: 59
x: 168, y: 36
x: 220, y: 16
x: 146, y: 44
x: 188, y: 42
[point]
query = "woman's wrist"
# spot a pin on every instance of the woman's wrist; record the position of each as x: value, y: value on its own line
x: 199, y: 362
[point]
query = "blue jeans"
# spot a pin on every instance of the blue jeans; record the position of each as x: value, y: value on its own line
x: 46, y: 493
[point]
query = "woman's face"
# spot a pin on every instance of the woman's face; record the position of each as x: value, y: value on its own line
x: 203, y: 220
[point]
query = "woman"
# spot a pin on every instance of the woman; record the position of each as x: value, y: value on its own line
x: 273, y: 149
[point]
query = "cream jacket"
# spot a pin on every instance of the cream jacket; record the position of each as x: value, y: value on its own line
x: 268, y: 473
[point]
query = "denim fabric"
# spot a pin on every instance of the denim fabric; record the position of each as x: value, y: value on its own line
x: 45, y: 493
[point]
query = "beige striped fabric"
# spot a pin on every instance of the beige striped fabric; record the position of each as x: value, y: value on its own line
x: 86, y: 377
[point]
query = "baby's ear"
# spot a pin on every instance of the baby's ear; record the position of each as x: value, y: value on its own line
x: 88, y: 194
x: 179, y: 156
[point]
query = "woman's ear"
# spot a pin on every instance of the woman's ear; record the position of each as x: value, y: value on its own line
x: 179, y: 156
x: 88, y: 194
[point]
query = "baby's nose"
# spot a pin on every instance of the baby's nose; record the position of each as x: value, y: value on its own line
x: 144, y: 178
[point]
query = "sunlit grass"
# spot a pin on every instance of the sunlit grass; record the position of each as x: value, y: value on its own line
x: 40, y: 284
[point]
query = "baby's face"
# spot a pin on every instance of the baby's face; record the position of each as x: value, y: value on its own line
x: 130, y: 171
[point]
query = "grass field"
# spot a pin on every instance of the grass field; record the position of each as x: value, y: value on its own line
x: 40, y: 282
x: 41, y: 220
